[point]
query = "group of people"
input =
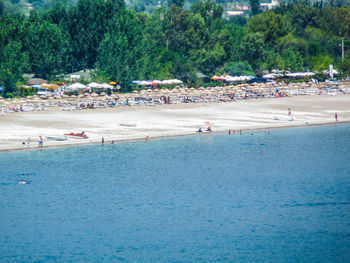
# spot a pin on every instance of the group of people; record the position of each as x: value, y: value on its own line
x: 207, y: 130
x: 40, y: 141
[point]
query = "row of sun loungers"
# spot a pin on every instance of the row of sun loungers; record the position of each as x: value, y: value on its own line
x: 156, y: 99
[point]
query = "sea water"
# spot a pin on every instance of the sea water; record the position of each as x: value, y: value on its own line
x: 270, y: 196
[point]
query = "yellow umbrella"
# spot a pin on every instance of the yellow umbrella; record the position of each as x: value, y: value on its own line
x: 49, y: 86
x: 209, y: 123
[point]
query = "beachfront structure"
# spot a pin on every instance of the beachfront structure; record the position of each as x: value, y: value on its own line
x: 157, y: 82
x: 269, y: 6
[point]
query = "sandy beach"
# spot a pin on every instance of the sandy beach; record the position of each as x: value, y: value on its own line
x: 167, y: 120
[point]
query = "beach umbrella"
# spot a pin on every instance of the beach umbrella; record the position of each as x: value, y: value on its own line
x: 144, y: 83
x: 76, y: 86
x: 93, y: 85
x: 106, y: 86
x: 176, y: 81
x: 49, y: 86
x: 209, y: 123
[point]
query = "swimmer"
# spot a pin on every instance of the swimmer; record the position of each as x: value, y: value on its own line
x: 112, y: 142
x: 22, y: 182
x: 229, y: 132
x: 147, y: 138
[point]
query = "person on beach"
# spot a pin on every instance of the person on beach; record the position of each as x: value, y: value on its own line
x: 200, y: 130
x: 289, y: 112
x: 208, y: 129
x: 103, y: 140
x: 40, y: 141
x: 28, y: 141
x: 336, y: 116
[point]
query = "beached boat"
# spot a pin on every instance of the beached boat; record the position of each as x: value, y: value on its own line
x: 76, y: 135
x: 57, y: 138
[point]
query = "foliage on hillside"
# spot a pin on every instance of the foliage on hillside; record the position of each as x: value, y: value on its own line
x: 172, y: 42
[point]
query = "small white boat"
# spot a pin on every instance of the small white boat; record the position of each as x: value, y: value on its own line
x: 57, y: 138
x: 128, y: 124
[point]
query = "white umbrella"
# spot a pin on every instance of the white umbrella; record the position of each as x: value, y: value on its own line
x: 145, y: 83
x: 176, y: 81
x: 106, y: 86
x: 76, y: 86
x: 93, y: 85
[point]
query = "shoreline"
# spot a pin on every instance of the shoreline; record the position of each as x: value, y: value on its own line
x: 166, y: 121
x: 171, y: 136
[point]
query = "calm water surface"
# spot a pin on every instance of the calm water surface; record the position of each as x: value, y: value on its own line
x: 278, y: 197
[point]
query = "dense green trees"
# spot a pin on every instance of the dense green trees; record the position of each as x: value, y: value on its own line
x: 254, y: 5
x: 120, y: 53
x: 171, y: 42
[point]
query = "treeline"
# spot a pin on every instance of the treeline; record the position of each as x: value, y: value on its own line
x: 171, y: 43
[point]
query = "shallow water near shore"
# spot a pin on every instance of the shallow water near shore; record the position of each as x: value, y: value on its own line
x: 277, y: 196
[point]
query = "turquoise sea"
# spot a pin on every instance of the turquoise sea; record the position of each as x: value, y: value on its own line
x: 277, y: 196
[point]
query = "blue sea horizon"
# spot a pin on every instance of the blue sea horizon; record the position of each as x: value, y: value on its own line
x: 267, y: 196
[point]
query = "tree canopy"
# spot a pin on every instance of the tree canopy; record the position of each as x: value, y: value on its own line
x: 171, y: 42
